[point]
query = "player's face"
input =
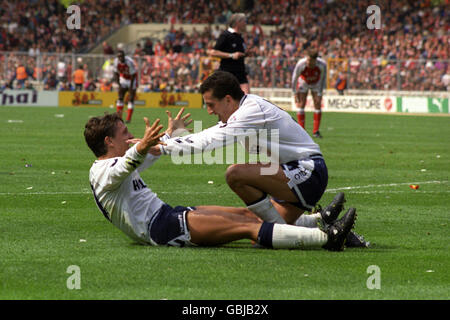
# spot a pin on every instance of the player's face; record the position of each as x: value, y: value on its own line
x: 311, y: 62
x: 119, y: 141
x: 223, y: 108
x: 121, y: 57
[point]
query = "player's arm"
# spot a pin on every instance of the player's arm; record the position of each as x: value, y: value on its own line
x: 323, y: 78
x: 218, y: 136
x: 295, y: 75
x: 116, y: 74
x: 133, y: 79
x: 116, y: 78
x: 218, y: 50
x: 176, y: 127
x: 133, y: 70
x: 225, y: 55
x: 120, y: 168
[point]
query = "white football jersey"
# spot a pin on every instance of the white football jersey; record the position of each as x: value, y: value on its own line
x: 286, y: 138
x: 127, y: 69
x: 315, y: 76
x: 121, y: 194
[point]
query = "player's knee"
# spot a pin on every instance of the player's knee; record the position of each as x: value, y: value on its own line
x: 234, y: 174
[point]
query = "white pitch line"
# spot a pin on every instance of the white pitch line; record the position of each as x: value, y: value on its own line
x: 397, y: 191
x: 83, y: 192
x: 208, y: 192
x: 384, y: 185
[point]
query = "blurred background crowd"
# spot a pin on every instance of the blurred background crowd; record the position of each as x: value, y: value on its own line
x: 409, y: 52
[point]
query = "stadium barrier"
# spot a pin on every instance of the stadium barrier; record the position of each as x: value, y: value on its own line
x: 365, y: 101
x: 22, y: 98
x: 143, y: 99
x: 387, y: 103
x: 184, y: 71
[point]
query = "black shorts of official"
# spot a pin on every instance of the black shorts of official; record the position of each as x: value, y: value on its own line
x: 240, y: 75
x: 308, y: 179
x: 169, y: 226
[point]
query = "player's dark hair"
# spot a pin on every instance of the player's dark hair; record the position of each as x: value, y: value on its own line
x: 222, y: 83
x: 313, y: 53
x: 97, y: 128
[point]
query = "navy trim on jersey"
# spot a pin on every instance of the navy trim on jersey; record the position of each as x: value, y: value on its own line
x: 99, y: 205
x: 242, y: 100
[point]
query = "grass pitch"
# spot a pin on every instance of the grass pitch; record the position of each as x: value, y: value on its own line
x: 49, y: 221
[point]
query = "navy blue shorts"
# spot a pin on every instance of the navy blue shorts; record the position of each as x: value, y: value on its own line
x: 169, y: 226
x: 308, y: 179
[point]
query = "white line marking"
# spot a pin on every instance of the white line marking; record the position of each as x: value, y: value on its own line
x: 45, y: 193
x: 384, y: 185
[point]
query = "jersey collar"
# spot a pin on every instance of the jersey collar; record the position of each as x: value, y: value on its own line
x: 242, y: 100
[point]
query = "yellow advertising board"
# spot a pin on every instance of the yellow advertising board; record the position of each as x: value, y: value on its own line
x: 142, y: 99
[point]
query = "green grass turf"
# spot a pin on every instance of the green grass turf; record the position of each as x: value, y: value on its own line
x: 46, y: 208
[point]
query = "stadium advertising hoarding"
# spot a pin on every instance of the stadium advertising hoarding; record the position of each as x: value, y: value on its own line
x: 356, y: 103
x: 422, y: 105
x: 389, y: 104
x: 142, y: 99
x: 29, y: 98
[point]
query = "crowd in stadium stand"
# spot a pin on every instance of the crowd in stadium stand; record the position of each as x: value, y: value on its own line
x: 409, y: 52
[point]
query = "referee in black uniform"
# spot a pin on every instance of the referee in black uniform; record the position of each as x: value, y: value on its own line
x: 230, y: 47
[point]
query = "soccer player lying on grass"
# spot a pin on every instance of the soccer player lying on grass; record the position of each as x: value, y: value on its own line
x: 127, y: 202
x: 297, y: 175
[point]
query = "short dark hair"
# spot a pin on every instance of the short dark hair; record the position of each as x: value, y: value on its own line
x: 97, y: 128
x: 313, y: 53
x: 222, y: 83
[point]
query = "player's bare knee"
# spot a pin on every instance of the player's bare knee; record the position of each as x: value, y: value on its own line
x: 234, y: 174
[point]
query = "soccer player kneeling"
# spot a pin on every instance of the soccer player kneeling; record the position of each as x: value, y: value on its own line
x: 127, y: 202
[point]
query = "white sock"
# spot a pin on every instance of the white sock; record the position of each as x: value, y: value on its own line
x: 266, y: 211
x: 287, y: 236
x: 308, y: 220
x: 130, y: 105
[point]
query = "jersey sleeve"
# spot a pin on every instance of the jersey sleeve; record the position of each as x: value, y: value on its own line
x: 208, y: 139
x: 323, y: 76
x: 115, y: 66
x: 221, y: 42
x: 131, y: 66
x: 118, y: 169
x: 244, y: 122
x: 151, y: 159
x: 296, y: 73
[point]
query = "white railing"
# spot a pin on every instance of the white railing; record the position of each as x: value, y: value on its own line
x: 50, y: 70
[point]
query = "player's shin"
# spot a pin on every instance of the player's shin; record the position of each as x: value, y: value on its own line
x: 301, y: 117
x: 283, y: 236
x: 119, y: 107
x: 266, y: 211
x: 317, y: 118
x: 130, y: 110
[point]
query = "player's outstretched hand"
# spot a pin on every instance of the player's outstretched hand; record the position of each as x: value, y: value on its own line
x: 151, y: 136
x: 177, y: 126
